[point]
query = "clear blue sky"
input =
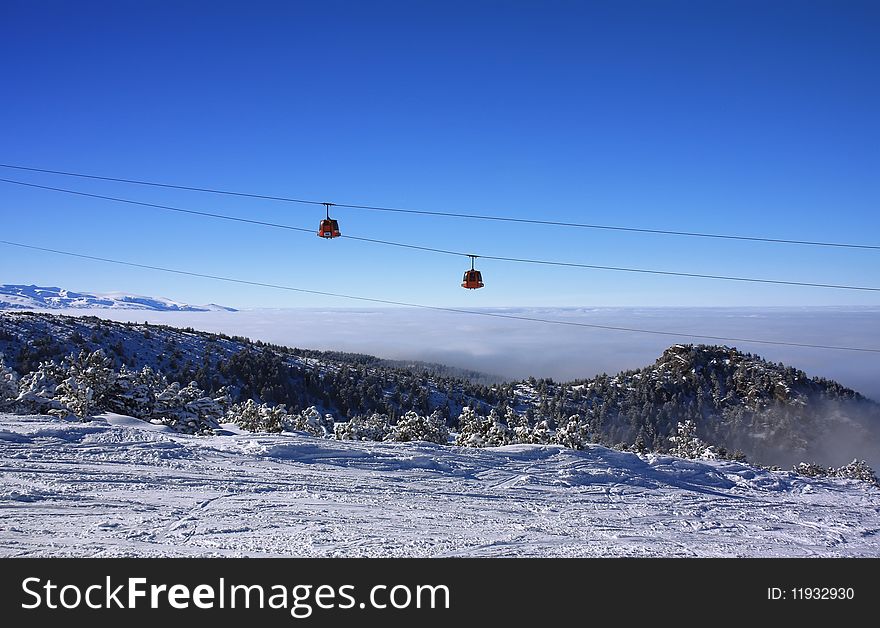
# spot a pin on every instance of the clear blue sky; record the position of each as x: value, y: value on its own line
x: 752, y: 118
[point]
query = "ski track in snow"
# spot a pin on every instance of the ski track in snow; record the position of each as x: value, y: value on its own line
x: 118, y: 486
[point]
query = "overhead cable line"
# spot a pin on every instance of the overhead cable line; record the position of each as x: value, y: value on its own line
x: 472, y: 216
x: 165, y: 185
x: 181, y: 210
x: 500, y: 258
x: 434, y: 307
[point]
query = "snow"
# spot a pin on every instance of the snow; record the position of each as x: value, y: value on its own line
x: 117, y: 486
x: 13, y: 296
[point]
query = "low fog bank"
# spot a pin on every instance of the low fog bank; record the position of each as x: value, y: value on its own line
x: 519, y: 349
x: 853, y: 435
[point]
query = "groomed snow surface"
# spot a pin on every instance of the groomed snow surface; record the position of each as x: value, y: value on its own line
x: 118, y: 486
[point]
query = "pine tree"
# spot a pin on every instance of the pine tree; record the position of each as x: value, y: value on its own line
x: 246, y: 415
x: 258, y: 418
x: 36, y: 390
x: 541, y: 433
x: 686, y: 443
x: 8, y: 386
x: 376, y: 427
x: 574, y: 434
x: 480, y: 431
x: 134, y: 393
x: 188, y: 409
x: 311, y: 422
x: 470, y: 428
x: 413, y: 426
x: 857, y: 470
x: 88, y: 378
x: 518, y: 424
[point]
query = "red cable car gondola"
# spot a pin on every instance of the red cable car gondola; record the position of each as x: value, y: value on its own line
x: 472, y: 279
x: 329, y: 228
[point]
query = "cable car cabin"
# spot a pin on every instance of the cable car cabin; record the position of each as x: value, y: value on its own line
x: 472, y: 280
x: 329, y: 228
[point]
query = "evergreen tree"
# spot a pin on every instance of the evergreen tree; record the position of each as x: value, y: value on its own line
x: 8, y: 386
x: 541, y: 433
x: 36, y: 390
x: 88, y: 378
x: 134, y: 393
x: 188, y: 409
x: 686, y: 443
x: 311, y: 422
x: 375, y: 427
x: 479, y: 431
x: 574, y: 434
x: 413, y: 426
x: 256, y: 417
x: 857, y: 470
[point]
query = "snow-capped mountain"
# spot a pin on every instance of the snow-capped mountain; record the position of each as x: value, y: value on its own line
x: 21, y: 297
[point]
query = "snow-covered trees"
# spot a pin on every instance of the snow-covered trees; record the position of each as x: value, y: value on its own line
x: 375, y: 427
x: 541, y: 434
x: 855, y: 470
x: 79, y: 386
x: 36, y: 390
x: 134, y: 392
x: 518, y: 424
x: 8, y: 386
x: 574, y: 434
x: 413, y: 426
x: 255, y: 417
x: 686, y: 443
x: 188, y: 409
x: 311, y: 422
x: 482, y: 431
x: 88, y: 377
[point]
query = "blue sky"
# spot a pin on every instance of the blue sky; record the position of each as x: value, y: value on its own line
x: 751, y: 118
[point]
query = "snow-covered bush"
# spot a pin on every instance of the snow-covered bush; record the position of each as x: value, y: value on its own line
x: 574, y: 434
x: 481, y: 431
x: 540, y: 434
x: 375, y: 427
x: 311, y: 422
x: 134, y: 393
x: 413, y: 426
x: 255, y: 417
x: 36, y: 390
x: 686, y: 443
x: 518, y: 425
x: 246, y: 416
x: 810, y: 470
x: 88, y: 377
x: 8, y: 386
x: 855, y: 470
x: 188, y: 409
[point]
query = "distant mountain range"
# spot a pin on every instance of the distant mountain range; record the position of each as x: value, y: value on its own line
x: 21, y: 297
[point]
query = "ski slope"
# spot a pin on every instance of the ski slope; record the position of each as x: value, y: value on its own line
x: 117, y: 486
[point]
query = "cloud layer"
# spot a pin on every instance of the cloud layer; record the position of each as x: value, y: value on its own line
x: 517, y: 349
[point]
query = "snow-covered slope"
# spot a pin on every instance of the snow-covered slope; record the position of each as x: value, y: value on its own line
x: 39, y: 297
x: 121, y: 487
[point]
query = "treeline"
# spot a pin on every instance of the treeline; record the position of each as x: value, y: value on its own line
x: 736, y: 401
x: 85, y: 383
